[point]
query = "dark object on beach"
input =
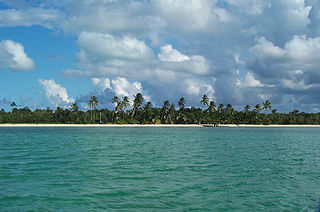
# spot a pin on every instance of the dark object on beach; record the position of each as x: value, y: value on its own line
x: 207, y: 125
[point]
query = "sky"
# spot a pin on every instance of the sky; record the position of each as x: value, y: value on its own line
x: 57, y: 52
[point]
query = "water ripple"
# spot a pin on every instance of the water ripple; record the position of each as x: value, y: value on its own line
x: 159, y: 169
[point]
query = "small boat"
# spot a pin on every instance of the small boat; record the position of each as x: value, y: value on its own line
x: 208, y: 125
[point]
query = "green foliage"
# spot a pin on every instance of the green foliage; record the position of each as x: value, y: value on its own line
x: 167, y: 114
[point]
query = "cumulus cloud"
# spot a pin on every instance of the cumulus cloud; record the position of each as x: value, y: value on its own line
x: 173, y: 48
x: 55, y: 93
x: 196, y: 15
x: 249, y: 81
x: 101, y: 83
x: 251, y: 7
x: 119, y: 86
x: 197, y: 88
x: 167, y: 53
x: 12, y: 56
x: 196, y: 64
x: 101, y: 47
x: 292, y: 69
x: 122, y: 87
x: 95, y: 15
x: 274, y: 18
x: 314, y: 17
x: 30, y: 16
x: 298, y: 58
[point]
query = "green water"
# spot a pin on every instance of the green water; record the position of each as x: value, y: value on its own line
x: 169, y: 169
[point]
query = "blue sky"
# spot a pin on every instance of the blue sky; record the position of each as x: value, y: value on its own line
x: 54, y: 53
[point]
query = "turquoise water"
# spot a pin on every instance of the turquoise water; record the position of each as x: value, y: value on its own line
x: 224, y: 169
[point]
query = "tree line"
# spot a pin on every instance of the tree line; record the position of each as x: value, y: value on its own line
x: 141, y: 112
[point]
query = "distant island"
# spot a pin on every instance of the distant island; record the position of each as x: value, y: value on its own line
x: 168, y: 114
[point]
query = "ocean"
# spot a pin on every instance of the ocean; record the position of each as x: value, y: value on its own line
x: 150, y: 169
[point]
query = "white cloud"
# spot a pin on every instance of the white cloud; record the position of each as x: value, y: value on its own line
x: 55, y: 93
x: 103, y: 16
x: 164, y: 75
x: 167, y: 53
x: 101, y: 83
x: 195, y: 15
x: 197, y: 88
x: 12, y: 56
x: 237, y: 58
x: 199, y: 65
x: 30, y: 16
x: 292, y: 68
x: 114, y: 38
x: 297, y: 85
x: 122, y: 87
x: 102, y: 47
x: 251, y: 7
x: 196, y: 64
x: 276, y: 20
x: 314, y: 16
x: 70, y: 73
x: 265, y: 48
x: 300, y: 53
x: 249, y: 81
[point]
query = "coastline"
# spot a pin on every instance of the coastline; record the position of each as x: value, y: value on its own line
x: 271, y: 125
x: 100, y: 125
x: 150, y: 125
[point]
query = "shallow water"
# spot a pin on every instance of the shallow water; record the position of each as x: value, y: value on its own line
x: 159, y: 168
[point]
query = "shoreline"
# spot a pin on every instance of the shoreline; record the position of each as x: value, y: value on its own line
x: 100, y: 125
x: 151, y: 125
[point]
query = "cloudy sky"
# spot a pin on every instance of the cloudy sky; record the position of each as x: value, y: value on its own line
x: 56, y: 52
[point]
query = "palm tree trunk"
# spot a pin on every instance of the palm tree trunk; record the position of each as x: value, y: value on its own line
x: 91, y: 112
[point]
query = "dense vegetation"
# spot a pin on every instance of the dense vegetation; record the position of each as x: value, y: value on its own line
x: 140, y: 113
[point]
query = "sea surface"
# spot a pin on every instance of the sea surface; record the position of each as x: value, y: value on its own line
x: 150, y: 169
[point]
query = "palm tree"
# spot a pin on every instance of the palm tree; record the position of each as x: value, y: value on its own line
x: 247, y: 108
x: 246, y: 113
x: 137, y: 102
x: 267, y: 105
x: 221, y: 112
x: 74, y: 107
x: 172, y: 113
x: 93, y: 102
x: 147, y: 109
x: 221, y: 108
x: 165, y: 112
x: 257, y: 108
x: 148, y: 106
x: 119, y: 108
x: 205, y: 100
x: 211, y: 109
x: 125, y: 104
x: 229, y: 107
x: 181, y: 103
x: 212, y: 106
x: 13, y: 104
x: 115, y: 101
x: 180, y: 116
x: 230, y: 113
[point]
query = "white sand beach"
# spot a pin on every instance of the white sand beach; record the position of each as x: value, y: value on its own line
x: 148, y: 125
x: 100, y: 125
